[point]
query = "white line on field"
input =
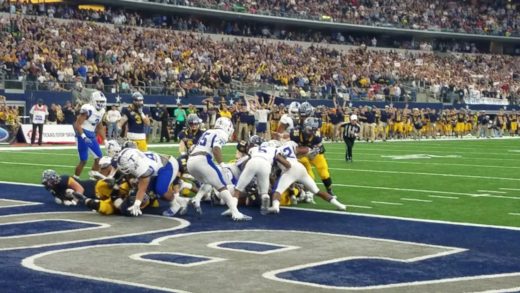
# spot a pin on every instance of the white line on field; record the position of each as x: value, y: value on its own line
x: 415, y: 199
x: 388, y: 203
x: 35, y: 164
x: 424, y: 191
x: 514, y: 214
x: 359, y: 207
x: 426, y: 162
x: 491, y: 191
x: 442, y: 196
x: 513, y: 189
x: 426, y: 174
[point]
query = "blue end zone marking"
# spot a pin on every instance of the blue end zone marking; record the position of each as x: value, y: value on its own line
x: 175, y: 258
x: 256, y: 247
x: 490, y: 250
x: 39, y: 227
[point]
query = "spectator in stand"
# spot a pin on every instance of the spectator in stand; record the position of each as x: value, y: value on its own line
x: 39, y: 113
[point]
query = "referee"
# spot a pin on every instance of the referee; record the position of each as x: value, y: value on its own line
x: 350, y: 133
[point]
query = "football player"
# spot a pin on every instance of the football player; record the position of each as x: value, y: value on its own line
x: 62, y: 187
x: 287, y: 121
x: 203, y: 169
x: 87, y: 126
x: 137, y: 117
x: 263, y: 154
x: 307, y: 135
x: 191, y: 134
x: 153, y: 172
x: 297, y: 173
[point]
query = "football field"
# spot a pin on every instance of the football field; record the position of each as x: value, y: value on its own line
x: 426, y: 216
x: 471, y: 181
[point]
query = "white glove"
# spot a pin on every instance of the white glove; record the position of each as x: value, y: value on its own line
x: 69, y: 202
x: 135, y: 210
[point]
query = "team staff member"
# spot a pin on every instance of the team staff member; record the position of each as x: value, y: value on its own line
x: 39, y: 113
x: 350, y: 133
x: 137, y: 117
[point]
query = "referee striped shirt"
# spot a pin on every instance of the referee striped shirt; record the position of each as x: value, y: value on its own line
x: 350, y: 130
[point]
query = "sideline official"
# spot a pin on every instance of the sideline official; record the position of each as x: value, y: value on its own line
x: 350, y: 134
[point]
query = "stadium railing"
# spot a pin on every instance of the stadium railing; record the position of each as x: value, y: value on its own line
x: 287, y: 19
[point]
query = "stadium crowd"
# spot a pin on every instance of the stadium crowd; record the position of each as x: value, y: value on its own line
x: 117, y: 59
x: 478, y: 17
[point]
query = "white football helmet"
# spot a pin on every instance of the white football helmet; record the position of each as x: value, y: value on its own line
x: 273, y: 143
x: 98, y: 100
x: 225, y: 124
x: 127, y: 161
x: 113, y: 148
x: 294, y: 109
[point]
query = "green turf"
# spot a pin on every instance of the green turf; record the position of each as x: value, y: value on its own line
x: 457, y: 169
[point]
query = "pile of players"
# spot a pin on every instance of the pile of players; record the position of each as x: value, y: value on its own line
x: 129, y: 180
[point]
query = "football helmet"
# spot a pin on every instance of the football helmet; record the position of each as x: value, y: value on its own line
x: 306, y: 109
x: 50, y: 178
x: 225, y: 124
x: 294, y: 109
x: 138, y: 99
x: 274, y: 143
x: 310, y: 125
x: 113, y: 148
x: 129, y: 145
x: 193, y: 121
x: 98, y: 100
x: 255, y: 140
x: 127, y: 161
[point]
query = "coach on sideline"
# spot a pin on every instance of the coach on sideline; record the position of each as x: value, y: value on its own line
x: 350, y: 133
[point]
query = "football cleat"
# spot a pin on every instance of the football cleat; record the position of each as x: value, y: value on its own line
x: 266, y: 200
x: 273, y: 210
x: 226, y: 213
x: 241, y: 217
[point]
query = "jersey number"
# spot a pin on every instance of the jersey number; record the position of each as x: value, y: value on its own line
x: 204, y: 139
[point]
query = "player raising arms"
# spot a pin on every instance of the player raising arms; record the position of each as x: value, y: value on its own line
x: 87, y: 126
x: 203, y: 169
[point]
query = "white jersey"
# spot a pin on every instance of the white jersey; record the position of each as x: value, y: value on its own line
x: 94, y: 117
x: 263, y: 151
x: 210, y: 139
x: 147, y: 164
x: 286, y: 119
x: 288, y: 150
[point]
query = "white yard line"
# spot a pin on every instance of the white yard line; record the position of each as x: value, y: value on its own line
x: 425, y: 191
x: 387, y: 203
x: 513, y: 189
x: 442, y: 196
x: 359, y: 207
x: 491, y: 191
x: 514, y: 214
x: 36, y: 164
x: 427, y: 174
x: 415, y: 199
x: 378, y: 154
x: 427, y: 162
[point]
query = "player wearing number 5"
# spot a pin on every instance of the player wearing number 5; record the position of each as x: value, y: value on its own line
x: 87, y: 126
x: 137, y: 117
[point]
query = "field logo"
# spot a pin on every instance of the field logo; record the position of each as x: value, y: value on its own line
x: 418, y: 157
x: 4, y: 134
